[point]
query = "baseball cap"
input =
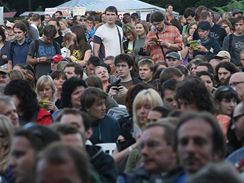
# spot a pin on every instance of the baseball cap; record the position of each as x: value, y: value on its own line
x: 223, y: 55
x: 4, y: 69
x: 57, y: 58
x: 173, y: 55
x: 204, y: 25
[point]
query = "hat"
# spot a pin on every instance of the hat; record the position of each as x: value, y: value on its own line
x: 236, y: 11
x: 57, y: 58
x: 4, y: 69
x: 204, y: 25
x: 223, y: 55
x: 173, y: 55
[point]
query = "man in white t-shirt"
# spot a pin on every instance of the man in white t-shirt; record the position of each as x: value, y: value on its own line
x: 108, y: 37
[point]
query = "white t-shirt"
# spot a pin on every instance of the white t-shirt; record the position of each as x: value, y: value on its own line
x: 109, y: 37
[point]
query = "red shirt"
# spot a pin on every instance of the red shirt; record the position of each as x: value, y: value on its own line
x: 43, y: 117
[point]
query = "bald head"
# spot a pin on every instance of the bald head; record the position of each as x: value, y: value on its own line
x: 237, y: 82
x: 239, y: 110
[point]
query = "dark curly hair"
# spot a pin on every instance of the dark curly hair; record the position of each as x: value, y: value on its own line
x: 193, y: 90
x: 28, y: 105
x: 69, y: 87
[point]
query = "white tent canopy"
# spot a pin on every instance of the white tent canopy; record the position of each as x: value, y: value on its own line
x: 121, y: 5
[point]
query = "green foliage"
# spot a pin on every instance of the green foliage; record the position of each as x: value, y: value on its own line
x: 233, y: 4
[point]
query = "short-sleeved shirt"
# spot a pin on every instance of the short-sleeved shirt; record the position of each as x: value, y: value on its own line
x: 44, y: 49
x: 109, y: 40
x: 237, y: 44
x: 18, y: 53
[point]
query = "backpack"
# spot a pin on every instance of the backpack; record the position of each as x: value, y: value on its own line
x: 45, y: 67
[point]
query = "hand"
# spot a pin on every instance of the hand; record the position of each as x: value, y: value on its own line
x: 122, y: 90
x: 164, y: 44
x: 113, y: 90
x: 51, y: 106
x: 42, y: 59
x: 152, y: 43
x: 202, y: 48
x: 189, y: 39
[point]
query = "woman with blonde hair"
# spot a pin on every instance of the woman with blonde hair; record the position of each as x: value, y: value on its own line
x: 46, y: 89
x: 144, y: 102
x: 130, y: 35
x: 6, y: 133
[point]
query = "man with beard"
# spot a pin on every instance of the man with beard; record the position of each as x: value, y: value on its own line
x: 199, y: 140
x: 159, y: 157
x: 224, y: 70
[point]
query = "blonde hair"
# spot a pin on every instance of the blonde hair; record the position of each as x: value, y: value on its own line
x: 6, y: 133
x: 148, y: 96
x: 43, y: 81
x: 127, y: 28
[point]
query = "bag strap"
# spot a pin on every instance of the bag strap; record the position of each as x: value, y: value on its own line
x: 36, y: 47
x: 120, y: 40
x: 162, y: 49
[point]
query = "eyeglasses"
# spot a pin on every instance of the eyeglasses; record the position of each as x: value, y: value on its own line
x: 236, y: 83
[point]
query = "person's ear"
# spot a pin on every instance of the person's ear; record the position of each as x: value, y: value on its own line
x: 88, y: 133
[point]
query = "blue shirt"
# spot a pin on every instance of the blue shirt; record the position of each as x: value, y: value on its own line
x: 20, y: 52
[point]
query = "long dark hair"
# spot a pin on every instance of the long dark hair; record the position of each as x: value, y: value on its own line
x: 28, y: 105
x: 69, y: 87
x: 81, y: 42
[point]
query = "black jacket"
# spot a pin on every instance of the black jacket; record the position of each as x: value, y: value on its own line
x: 102, y: 163
x: 140, y: 175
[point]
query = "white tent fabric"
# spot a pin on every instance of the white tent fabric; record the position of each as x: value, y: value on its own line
x: 101, y: 5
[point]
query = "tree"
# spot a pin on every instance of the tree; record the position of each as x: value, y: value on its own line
x: 233, y: 4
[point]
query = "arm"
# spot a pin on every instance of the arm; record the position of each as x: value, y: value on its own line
x: 96, y: 48
x: 86, y: 57
x: 118, y: 156
x: 225, y: 45
x: 184, y: 52
x: 30, y: 60
x: 97, y: 41
x: 178, y: 42
x: 10, y: 65
x: 149, y: 43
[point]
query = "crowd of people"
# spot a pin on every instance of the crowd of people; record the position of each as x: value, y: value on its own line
x: 167, y: 92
